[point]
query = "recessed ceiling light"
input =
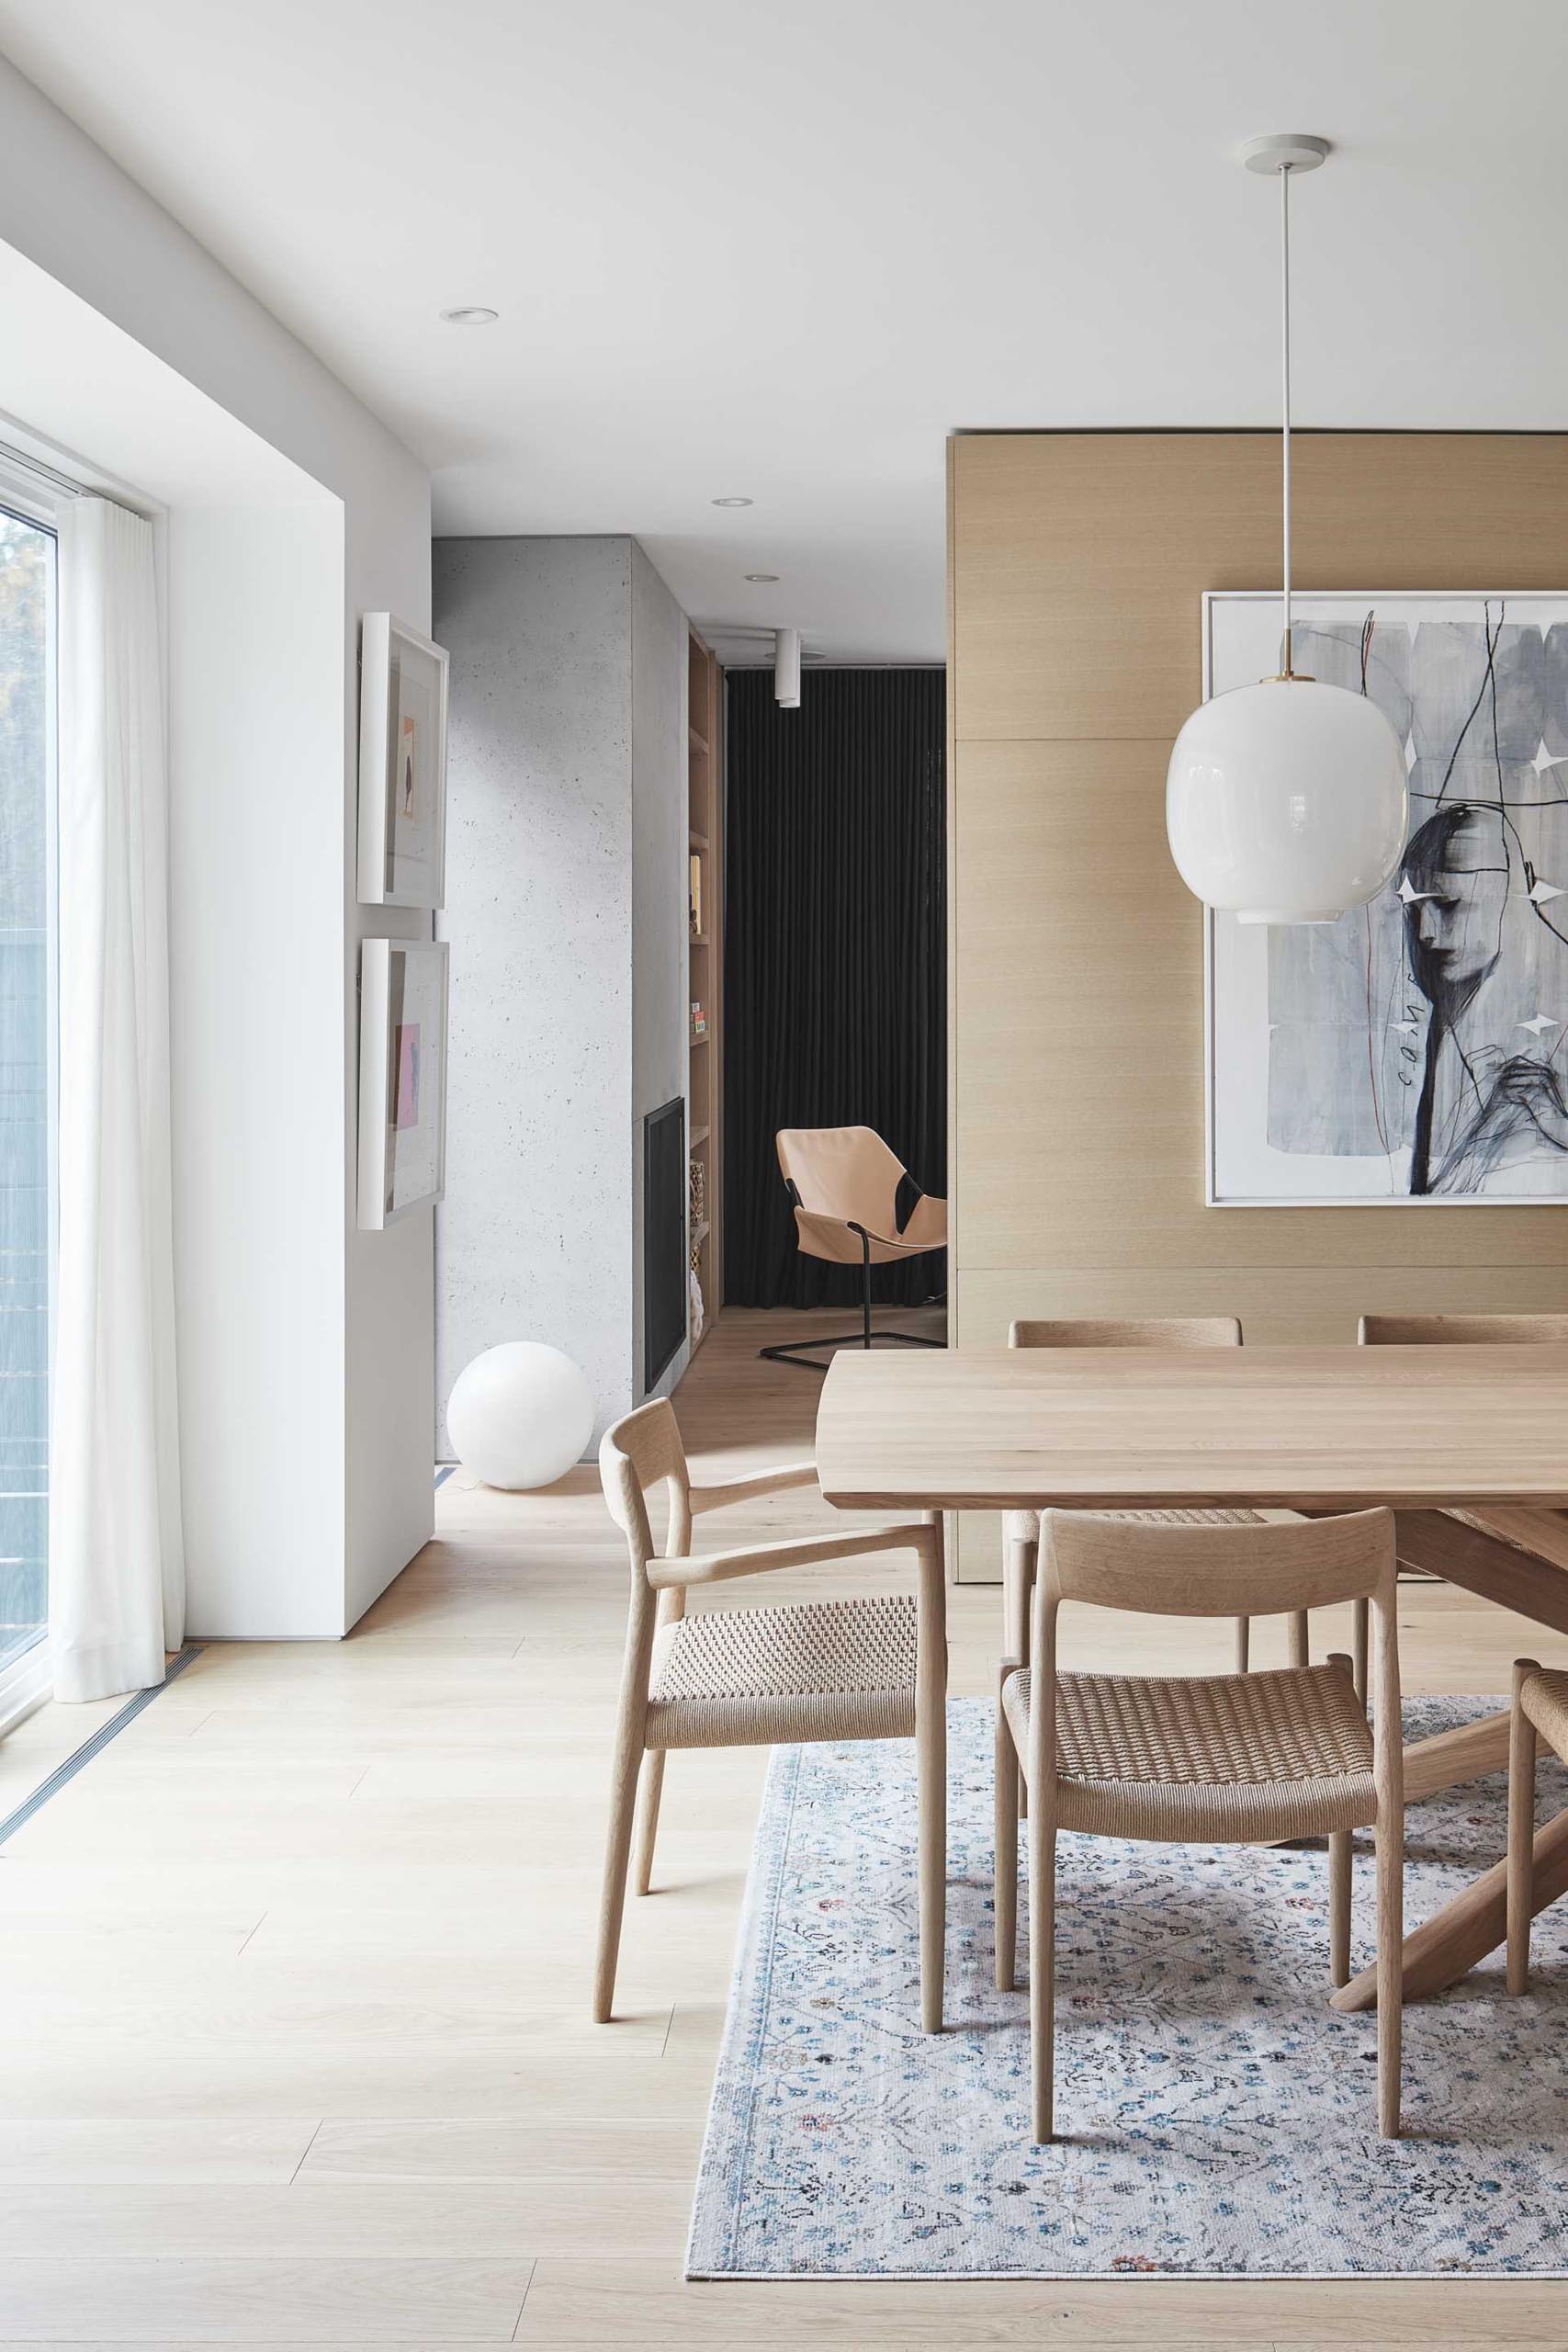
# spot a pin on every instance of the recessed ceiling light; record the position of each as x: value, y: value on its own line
x: 729, y: 501
x: 473, y: 315
x: 761, y: 575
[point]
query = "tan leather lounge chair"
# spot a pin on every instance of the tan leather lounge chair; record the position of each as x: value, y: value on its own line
x: 855, y: 1203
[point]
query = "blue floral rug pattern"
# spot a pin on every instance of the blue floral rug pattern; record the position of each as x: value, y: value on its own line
x: 1217, y: 2114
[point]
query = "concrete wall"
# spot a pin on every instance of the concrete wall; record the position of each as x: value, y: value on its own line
x: 565, y: 907
x: 306, y: 1347
x: 660, y: 1000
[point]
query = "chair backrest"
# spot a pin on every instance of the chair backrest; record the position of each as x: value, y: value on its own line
x: 1271, y: 1569
x: 640, y: 1451
x: 1129, y: 1332
x: 846, y: 1172
x: 1463, y: 1330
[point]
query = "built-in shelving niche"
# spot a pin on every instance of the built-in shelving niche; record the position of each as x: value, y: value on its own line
x: 705, y: 970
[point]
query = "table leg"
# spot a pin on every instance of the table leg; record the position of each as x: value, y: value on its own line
x: 1466, y: 1929
x: 1449, y: 1758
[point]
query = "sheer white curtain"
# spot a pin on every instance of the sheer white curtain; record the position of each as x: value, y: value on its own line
x: 117, y: 1566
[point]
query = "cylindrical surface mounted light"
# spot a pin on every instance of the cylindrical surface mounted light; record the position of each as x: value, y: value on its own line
x: 786, y: 668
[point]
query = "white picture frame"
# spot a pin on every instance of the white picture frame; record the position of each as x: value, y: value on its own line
x: 1242, y: 1166
x: 403, y: 689
x: 403, y: 991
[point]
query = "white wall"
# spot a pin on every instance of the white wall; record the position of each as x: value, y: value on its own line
x: 306, y: 1348
x: 566, y: 899
x: 254, y: 597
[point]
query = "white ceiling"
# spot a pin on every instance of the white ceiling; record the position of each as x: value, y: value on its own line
x: 782, y: 251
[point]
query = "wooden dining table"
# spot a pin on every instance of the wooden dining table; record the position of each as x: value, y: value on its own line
x: 1311, y: 1430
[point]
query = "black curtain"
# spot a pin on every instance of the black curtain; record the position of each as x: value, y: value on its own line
x: 835, y: 998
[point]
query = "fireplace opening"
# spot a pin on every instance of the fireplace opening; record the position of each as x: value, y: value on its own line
x: 663, y: 1236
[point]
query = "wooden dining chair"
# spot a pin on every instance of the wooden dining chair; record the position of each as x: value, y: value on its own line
x: 1463, y: 1330
x: 1022, y: 1527
x: 1451, y: 1331
x: 864, y: 1668
x: 1232, y: 1759
x: 855, y: 1205
x: 1540, y: 1708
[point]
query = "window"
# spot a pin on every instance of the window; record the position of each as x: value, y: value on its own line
x: 27, y: 1088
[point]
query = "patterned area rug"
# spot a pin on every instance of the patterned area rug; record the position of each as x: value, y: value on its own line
x: 1218, y: 2116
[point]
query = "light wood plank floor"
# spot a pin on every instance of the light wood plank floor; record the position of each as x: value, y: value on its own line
x: 294, y: 2038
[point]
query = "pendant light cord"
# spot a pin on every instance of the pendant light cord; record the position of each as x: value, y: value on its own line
x: 1285, y: 374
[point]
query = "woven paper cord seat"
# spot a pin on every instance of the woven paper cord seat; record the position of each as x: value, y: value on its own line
x: 829, y: 1669
x: 1532, y: 1880
x: 1229, y: 1758
x: 1544, y: 1698
x: 834, y: 1670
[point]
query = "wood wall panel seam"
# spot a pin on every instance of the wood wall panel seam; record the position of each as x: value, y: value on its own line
x: 1254, y: 1267
x: 1032, y: 743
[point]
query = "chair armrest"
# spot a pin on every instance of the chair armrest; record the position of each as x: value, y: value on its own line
x: 755, y: 1483
x: 829, y: 1237
x: 801, y: 1552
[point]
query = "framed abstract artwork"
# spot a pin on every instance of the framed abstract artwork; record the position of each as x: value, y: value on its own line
x: 402, y: 766
x: 402, y: 1077
x: 1416, y: 1051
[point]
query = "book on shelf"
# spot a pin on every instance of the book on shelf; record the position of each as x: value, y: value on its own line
x: 695, y: 894
x: 699, y: 1021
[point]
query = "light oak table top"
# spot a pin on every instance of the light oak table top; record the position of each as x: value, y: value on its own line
x: 1302, y: 1429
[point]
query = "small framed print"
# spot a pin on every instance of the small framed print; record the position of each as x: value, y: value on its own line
x: 402, y: 1077
x: 402, y: 766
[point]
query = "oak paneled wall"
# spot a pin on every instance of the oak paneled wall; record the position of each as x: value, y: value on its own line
x: 1076, y: 1038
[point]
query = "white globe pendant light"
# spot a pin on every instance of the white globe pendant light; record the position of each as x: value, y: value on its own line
x: 1286, y: 801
